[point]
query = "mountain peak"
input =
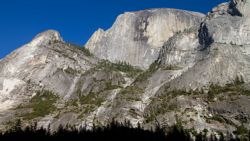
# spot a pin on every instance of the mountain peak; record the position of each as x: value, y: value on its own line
x: 46, y: 37
x: 136, y: 37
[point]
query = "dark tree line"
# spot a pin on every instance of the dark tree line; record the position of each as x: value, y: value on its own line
x: 112, y: 132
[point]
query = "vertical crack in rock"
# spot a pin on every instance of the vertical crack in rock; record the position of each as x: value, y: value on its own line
x: 141, y: 26
x: 205, y: 39
x: 233, y: 9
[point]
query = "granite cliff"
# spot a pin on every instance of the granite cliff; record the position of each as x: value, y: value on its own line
x: 136, y: 37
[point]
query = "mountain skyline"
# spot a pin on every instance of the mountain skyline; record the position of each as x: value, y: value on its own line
x: 153, y: 68
x: 75, y: 20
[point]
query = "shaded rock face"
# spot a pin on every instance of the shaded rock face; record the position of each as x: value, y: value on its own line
x: 232, y: 26
x: 229, y: 30
x: 240, y: 7
x: 136, y: 37
x: 180, y: 49
x: 216, y: 52
x: 233, y: 8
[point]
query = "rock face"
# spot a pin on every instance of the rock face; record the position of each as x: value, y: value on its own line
x: 136, y: 37
x: 217, y: 52
x: 200, y: 75
x: 240, y: 6
x: 42, y: 63
x: 236, y: 25
x: 48, y: 65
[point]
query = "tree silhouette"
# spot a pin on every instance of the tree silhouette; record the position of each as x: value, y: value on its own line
x: 114, y: 131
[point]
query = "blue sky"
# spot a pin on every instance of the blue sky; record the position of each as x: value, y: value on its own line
x: 76, y: 20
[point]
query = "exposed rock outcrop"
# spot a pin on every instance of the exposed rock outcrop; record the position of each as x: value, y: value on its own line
x: 220, y: 55
x: 42, y: 63
x: 136, y: 37
x: 239, y: 7
x: 83, y: 85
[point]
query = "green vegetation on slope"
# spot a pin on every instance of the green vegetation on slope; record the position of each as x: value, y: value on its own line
x: 131, y: 93
x: 120, y: 66
x: 162, y: 103
x: 109, y: 86
x: 132, y: 90
x: 235, y: 88
x: 145, y: 75
x: 83, y: 49
x: 71, y: 71
x: 42, y: 104
x: 91, y: 99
